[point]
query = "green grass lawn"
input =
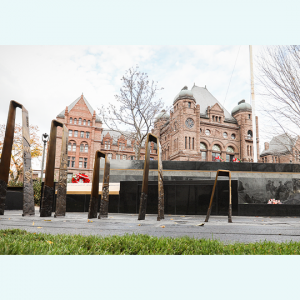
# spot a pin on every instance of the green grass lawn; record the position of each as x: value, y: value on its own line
x: 15, y: 241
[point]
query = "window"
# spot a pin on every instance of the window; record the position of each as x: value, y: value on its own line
x: 81, y: 134
x: 107, y: 145
x: 216, y: 148
x: 69, y: 178
x: 189, y: 143
x: 118, y: 156
x: 71, y: 120
x: 81, y: 147
x: 80, y: 162
x: 89, y: 123
x: 75, y: 121
x: 249, y: 116
x: 203, y: 146
x: 69, y: 147
x: 203, y: 155
x: 87, y: 134
x: 74, y: 147
x: 124, y: 157
x: 185, y: 141
x: 229, y: 157
x: 219, y: 119
x: 84, y: 122
x: 70, y: 132
x: 213, y: 155
x: 69, y: 161
x: 230, y: 149
x: 121, y: 146
x: 189, y: 104
x: 225, y: 135
x: 249, y: 134
x: 233, y: 136
x: 132, y: 158
x: 75, y: 133
x: 85, y: 163
x: 86, y: 148
x: 109, y: 156
x: 73, y: 162
x: 193, y: 144
x: 207, y: 132
x: 79, y: 122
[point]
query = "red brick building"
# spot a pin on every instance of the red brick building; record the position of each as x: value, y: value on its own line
x: 86, y: 136
x: 281, y: 149
x: 198, y: 128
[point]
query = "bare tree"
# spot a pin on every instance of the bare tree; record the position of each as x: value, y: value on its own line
x: 134, y: 116
x: 279, y: 89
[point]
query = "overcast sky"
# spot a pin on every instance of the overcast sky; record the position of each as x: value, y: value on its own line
x: 45, y: 79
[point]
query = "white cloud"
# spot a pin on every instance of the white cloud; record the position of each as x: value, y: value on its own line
x: 48, y: 78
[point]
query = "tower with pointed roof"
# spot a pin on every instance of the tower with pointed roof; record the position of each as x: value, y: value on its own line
x: 86, y: 136
x: 85, y: 130
x: 200, y: 129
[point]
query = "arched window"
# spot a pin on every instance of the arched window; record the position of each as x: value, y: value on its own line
x: 86, y: 148
x: 81, y: 147
x: 203, y: 146
x: 216, y: 151
x: 207, y: 132
x: 71, y: 120
x: 75, y: 121
x: 230, y: 149
x: 79, y: 122
x: 216, y: 148
x: 69, y: 147
x: 89, y: 122
x: 229, y: 154
x: 249, y: 134
x: 203, y: 150
x: 74, y: 147
x: 84, y: 122
x: 233, y: 136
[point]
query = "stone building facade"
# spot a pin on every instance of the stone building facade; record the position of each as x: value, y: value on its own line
x: 198, y: 128
x: 86, y: 136
x: 281, y: 149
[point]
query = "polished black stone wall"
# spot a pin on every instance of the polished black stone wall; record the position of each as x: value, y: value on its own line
x: 207, y: 166
x: 14, y: 198
x: 181, y: 197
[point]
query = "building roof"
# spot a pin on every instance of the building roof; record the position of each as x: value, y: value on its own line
x: 204, y: 98
x: 116, y: 135
x: 62, y: 113
x: 280, y: 144
x: 242, y: 106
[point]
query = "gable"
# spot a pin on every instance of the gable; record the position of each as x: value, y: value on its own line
x: 217, y: 108
x: 80, y: 106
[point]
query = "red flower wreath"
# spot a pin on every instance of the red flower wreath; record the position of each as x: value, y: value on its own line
x: 76, y: 178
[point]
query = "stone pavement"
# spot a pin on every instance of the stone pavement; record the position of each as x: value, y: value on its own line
x: 243, y: 229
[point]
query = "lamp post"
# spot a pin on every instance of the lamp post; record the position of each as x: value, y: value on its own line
x: 45, y: 139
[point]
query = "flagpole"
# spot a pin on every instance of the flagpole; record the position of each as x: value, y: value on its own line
x: 253, y: 105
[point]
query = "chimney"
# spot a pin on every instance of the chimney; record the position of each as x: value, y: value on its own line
x: 266, y: 146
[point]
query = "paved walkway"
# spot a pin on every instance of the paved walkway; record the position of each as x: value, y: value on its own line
x: 243, y: 229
